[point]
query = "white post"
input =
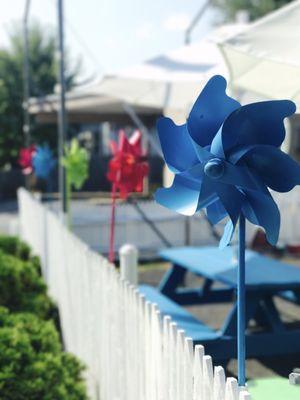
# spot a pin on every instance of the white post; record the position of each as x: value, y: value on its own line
x: 128, y: 255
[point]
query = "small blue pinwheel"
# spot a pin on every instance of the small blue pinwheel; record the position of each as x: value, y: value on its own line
x: 226, y: 157
x: 43, y: 162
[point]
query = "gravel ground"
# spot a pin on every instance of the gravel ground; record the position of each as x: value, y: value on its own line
x: 214, y: 316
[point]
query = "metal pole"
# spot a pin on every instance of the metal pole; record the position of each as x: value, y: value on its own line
x: 62, y: 122
x: 194, y: 22
x: 26, y: 77
x: 26, y: 81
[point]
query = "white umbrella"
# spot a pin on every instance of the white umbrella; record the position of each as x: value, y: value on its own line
x: 265, y: 57
x: 82, y: 103
x: 167, y: 84
x: 172, y: 81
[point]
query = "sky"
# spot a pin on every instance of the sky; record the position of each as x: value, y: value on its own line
x: 110, y: 35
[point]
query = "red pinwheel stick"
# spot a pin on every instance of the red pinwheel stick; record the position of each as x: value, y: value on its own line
x: 126, y: 172
x: 111, y: 256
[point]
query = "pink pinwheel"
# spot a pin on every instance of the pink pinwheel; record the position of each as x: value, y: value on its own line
x: 25, y: 160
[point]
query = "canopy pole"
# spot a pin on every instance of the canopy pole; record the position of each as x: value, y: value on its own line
x: 62, y: 122
x: 241, y: 299
x: 194, y: 22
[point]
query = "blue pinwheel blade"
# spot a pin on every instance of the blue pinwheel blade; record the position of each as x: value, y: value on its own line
x: 216, y: 212
x: 227, y: 235
x: 257, y: 123
x: 208, y: 193
x: 261, y: 210
x: 181, y: 197
x: 217, y: 145
x: 276, y: 169
x: 176, y: 144
x: 240, y: 175
x: 203, y: 153
x: 210, y: 110
x: 232, y: 200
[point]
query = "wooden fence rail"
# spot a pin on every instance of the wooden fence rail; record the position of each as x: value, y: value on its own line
x: 131, y: 352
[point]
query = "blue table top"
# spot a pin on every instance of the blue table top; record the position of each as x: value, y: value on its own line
x: 261, y: 272
x: 205, y: 261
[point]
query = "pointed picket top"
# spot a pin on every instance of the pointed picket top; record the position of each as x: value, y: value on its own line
x: 208, y: 378
x: 232, y: 389
x: 198, y: 372
x: 219, y: 383
x: 244, y: 395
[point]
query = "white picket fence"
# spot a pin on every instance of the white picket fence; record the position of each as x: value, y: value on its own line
x: 132, y: 353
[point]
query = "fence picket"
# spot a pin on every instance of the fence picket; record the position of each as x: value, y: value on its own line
x: 208, y: 378
x: 198, y: 373
x: 132, y: 353
x: 219, y: 384
x: 244, y: 395
x: 232, y: 389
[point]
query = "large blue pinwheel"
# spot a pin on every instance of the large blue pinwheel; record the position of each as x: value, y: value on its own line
x: 225, y: 157
x: 43, y: 162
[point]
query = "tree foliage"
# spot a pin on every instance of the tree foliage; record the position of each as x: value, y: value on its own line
x: 43, y: 78
x: 256, y: 8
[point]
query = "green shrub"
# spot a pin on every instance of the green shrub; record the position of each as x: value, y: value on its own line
x: 22, y: 288
x: 14, y: 246
x: 32, y: 365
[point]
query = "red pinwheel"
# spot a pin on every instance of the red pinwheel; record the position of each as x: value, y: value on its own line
x: 26, y: 155
x: 126, y: 172
x: 127, y: 168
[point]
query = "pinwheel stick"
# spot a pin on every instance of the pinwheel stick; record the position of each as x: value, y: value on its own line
x: 112, y: 225
x: 68, y: 199
x: 241, y: 293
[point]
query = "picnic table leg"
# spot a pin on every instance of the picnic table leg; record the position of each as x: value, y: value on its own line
x: 172, y: 279
x: 241, y: 296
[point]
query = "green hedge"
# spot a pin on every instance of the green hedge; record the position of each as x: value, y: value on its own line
x: 32, y: 363
x: 14, y: 246
x: 22, y: 288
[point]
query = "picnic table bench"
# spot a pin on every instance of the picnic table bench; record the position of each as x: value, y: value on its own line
x: 266, y: 278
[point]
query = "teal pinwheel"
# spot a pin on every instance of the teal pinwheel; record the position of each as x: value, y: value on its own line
x: 43, y: 162
x: 226, y: 158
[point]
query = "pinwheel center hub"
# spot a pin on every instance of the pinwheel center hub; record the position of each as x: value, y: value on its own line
x: 214, y: 168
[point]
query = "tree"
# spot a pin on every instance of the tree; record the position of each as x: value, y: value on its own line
x: 43, y: 78
x: 256, y: 8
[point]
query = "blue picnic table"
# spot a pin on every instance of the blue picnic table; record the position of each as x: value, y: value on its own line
x: 266, y: 278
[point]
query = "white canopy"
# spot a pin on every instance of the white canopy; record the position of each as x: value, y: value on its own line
x: 265, y: 57
x: 167, y: 83
x: 171, y: 81
x: 83, y: 104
